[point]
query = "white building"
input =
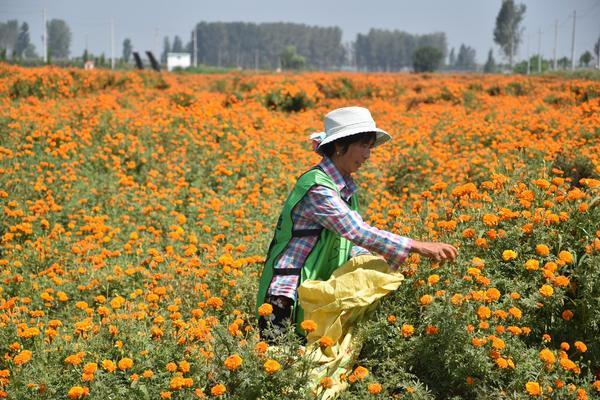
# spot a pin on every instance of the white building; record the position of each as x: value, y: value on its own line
x: 182, y: 60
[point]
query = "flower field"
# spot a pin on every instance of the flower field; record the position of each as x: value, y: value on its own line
x: 136, y: 209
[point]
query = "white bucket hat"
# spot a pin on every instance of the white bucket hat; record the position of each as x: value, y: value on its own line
x: 348, y: 121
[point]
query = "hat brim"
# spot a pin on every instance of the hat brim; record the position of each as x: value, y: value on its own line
x: 380, y: 138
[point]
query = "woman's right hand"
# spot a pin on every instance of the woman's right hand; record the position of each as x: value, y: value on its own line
x: 435, y: 251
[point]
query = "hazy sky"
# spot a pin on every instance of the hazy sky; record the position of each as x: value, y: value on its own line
x: 471, y: 22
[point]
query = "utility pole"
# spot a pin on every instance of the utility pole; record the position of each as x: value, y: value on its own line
x: 112, y: 43
x: 45, y: 37
x: 573, y: 42
x: 194, y: 52
x: 555, y: 43
x: 540, y: 51
x: 528, y: 57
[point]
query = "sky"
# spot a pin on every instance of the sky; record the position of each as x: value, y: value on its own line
x: 469, y: 22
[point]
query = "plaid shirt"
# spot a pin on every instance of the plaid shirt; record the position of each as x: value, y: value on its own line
x: 322, y: 207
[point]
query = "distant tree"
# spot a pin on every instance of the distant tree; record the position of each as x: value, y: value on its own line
x: 166, y: 49
x: 597, y: 51
x: 507, y: 33
x: 290, y: 59
x: 490, y: 64
x: 452, y: 58
x: 127, y: 49
x: 23, y: 41
x: 563, y: 62
x: 177, y: 45
x: 466, y: 58
x: 9, y: 32
x: 427, y: 59
x: 585, y: 59
x: 85, y: 56
x: 59, y: 38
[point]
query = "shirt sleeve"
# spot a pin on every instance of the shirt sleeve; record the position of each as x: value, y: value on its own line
x: 330, y: 211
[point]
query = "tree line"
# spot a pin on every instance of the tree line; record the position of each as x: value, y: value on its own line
x: 298, y: 46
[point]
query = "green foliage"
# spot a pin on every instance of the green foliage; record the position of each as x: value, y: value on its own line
x: 290, y: 59
x: 59, y: 38
x: 427, y: 59
x: 282, y: 100
x: 507, y: 32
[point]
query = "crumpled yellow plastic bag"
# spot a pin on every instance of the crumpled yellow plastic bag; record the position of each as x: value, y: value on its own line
x: 338, y: 304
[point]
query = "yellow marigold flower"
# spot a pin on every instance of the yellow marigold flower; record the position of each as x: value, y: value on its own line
x: 218, y: 390
x: 271, y: 366
x: 426, y: 299
x: 78, y: 392
x: 546, y: 291
x: 233, y: 362
x: 374, y: 388
x: 125, y: 363
x: 361, y: 373
x: 477, y: 262
x: 308, y: 325
x: 265, y: 310
x: 547, y: 356
x: 407, y: 330
x: 508, y: 255
x: 580, y: 346
x: 433, y: 279
x: 532, y: 265
x: 542, y: 250
x: 533, y: 388
x: 108, y: 365
x: 184, y: 366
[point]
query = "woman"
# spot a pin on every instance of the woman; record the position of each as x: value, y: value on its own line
x: 319, y: 228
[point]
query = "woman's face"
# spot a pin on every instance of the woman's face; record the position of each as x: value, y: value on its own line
x: 349, y: 162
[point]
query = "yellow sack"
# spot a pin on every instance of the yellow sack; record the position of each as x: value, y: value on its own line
x: 336, y: 305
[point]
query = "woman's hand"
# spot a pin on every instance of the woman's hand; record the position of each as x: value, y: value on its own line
x: 435, y: 251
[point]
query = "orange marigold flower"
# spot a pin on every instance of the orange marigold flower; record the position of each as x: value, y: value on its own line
x: 78, y: 392
x: 532, y: 265
x: 108, y: 365
x: 22, y: 358
x: 580, y: 346
x: 391, y: 319
x: 567, y: 315
x: 261, y: 347
x: 325, y: 341
x: 542, y: 250
x: 407, y: 330
x: 271, y: 366
x: 326, y: 382
x: 361, y: 373
x: 426, y: 299
x: 547, y: 356
x: 308, y: 325
x: 233, y: 362
x: 265, y: 310
x: 374, y: 388
x: 433, y: 279
x: 218, y: 390
x: 533, y: 388
x: 125, y: 363
x: 171, y: 367
x: 565, y: 257
x: 484, y: 312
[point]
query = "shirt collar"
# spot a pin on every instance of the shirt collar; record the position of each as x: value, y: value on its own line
x: 345, y: 184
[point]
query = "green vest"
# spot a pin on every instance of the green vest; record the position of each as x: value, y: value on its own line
x: 330, y: 251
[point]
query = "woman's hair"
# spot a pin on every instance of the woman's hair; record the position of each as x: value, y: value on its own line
x: 328, y: 149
